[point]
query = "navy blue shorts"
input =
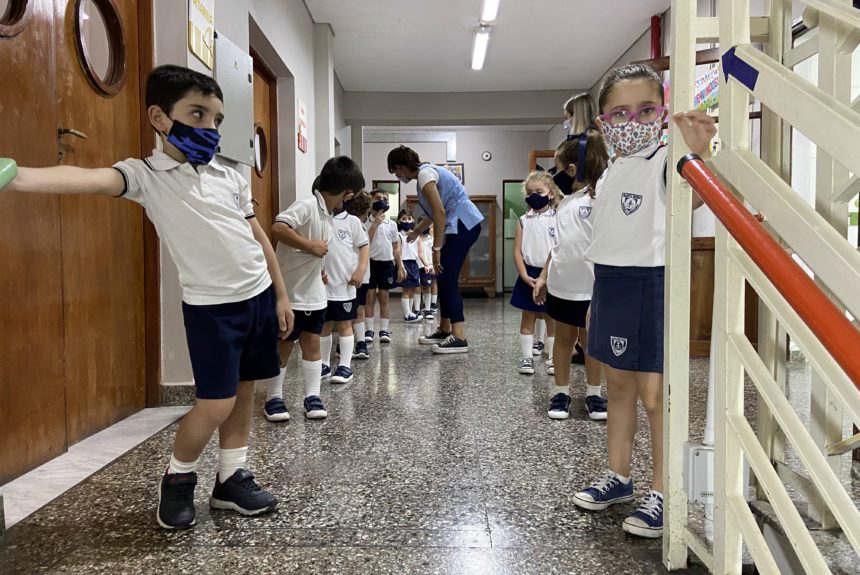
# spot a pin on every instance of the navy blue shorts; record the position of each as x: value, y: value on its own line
x: 427, y: 279
x: 571, y: 312
x: 626, y: 330
x: 307, y: 322
x: 361, y: 294
x: 232, y: 342
x: 413, y: 276
x: 341, y: 310
x: 382, y: 275
x: 523, y: 296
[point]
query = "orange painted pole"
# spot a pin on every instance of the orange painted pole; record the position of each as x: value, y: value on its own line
x: 827, y: 322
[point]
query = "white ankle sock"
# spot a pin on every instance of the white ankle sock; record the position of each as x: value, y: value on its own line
x: 347, y: 344
x: 177, y: 466
x: 550, y: 342
x: 406, y: 304
x: 275, y: 385
x: 311, y: 373
x: 540, y: 329
x: 416, y: 303
x: 622, y: 478
x: 325, y: 349
x: 229, y: 460
x: 384, y: 327
x: 526, y: 344
x: 565, y: 389
x: 592, y: 390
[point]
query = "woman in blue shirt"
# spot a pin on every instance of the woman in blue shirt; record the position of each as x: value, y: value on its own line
x: 456, y: 222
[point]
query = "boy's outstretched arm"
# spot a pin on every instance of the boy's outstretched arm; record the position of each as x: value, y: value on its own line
x: 68, y: 180
x: 283, y: 308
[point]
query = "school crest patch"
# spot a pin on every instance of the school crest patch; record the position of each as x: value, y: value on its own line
x: 619, y: 345
x: 236, y: 199
x: 347, y: 306
x: 584, y: 212
x: 552, y: 231
x: 630, y: 203
x: 342, y: 234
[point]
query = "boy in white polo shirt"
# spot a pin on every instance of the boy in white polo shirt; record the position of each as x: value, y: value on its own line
x: 304, y: 231
x: 233, y: 297
x: 386, y: 267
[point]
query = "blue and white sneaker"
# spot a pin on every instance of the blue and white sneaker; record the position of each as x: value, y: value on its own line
x: 428, y: 315
x: 434, y: 307
x: 559, y: 406
x: 368, y: 336
x: 606, y: 491
x: 647, y: 521
x: 537, y: 348
x: 596, y: 407
x: 276, y: 410
x: 325, y: 372
x: 342, y: 374
x: 314, y: 408
x: 360, y: 351
x: 411, y: 318
x: 384, y: 336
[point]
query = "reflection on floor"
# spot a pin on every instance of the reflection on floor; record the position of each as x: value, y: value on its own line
x: 426, y: 464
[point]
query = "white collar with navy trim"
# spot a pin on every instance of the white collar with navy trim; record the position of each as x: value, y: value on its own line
x: 160, y: 161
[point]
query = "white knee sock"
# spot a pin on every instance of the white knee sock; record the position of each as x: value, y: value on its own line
x: 177, y: 466
x: 526, y: 343
x: 540, y: 329
x: 550, y: 342
x: 311, y: 373
x: 358, y: 331
x: 370, y: 323
x: 347, y: 343
x: 416, y: 303
x: 384, y: 327
x: 434, y: 298
x: 325, y: 349
x: 406, y: 304
x: 229, y: 460
x: 275, y: 385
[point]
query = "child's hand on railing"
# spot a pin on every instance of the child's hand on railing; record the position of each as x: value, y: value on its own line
x: 697, y: 129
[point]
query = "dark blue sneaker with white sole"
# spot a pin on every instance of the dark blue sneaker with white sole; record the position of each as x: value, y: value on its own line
x: 314, y: 408
x: 384, y: 336
x: 559, y: 406
x: 606, y: 491
x: 596, y: 407
x: 537, y: 348
x: 342, y: 374
x: 325, y: 372
x: 360, y: 351
x: 276, y: 410
x: 241, y: 493
x: 647, y: 521
x: 176, y: 501
x: 368, y: 336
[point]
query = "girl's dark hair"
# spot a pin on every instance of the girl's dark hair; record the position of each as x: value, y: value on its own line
x: 406, y: 213
x: 339, y: 175
x: 596, y: 158
x: 629, y: 72
x: 403, y: 156
x: 168, y: 84
x: 360, y: 205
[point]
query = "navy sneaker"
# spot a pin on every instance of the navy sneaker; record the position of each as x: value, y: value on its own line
x: 314, y: 408
x: 412, y: 318
x: 452, y: 344
x: 578, y: 357
x: 438, y: 336
x: 384, y: 336
x: 325, y: 372
x: 537, y: 348
x: 647, y: 521
x: 176, y: 501
x: 559, y: 406
x: 368, y: 336
x: 606, y: 491
x: 360, y: 351
x: 342, y: 374
x: 428, y: 315
x: 434, y: 306
x: 242, y: 494
x: 276, y: 410
x: 596, y: 407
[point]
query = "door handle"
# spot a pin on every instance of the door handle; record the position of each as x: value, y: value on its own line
x: 77, y: 133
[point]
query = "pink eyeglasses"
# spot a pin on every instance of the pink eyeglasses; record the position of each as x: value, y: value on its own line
x: 644, y: 115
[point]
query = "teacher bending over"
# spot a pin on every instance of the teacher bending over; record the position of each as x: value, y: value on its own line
x: 456, y: 222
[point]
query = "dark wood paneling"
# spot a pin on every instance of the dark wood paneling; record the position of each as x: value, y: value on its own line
x: 102, y: 239
x: 32, y: 396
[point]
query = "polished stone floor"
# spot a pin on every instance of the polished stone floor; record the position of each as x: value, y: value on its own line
x: 426, y: 464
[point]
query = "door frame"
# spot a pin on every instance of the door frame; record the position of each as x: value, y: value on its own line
x: 266, y: 72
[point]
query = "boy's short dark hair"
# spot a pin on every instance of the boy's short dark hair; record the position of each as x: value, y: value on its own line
x: 404, y: 213
x: 168, y: 84
x: 339, y: 175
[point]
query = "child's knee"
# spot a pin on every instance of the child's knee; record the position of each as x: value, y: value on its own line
x: 215, y: 411
x: 653, y: 403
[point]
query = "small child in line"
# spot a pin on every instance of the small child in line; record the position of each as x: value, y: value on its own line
x: 360, y: 208
x: 429, y: 292
x: 386, y: 266
x: 409, y: 254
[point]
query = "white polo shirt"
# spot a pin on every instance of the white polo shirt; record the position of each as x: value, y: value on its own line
x: 202, y: 217
x: 630, y: 224
x: 538, y: 236
x: 382, y: 244
x: 570, y: 276
x: 408, y: 252
x: 427, y: 248
x: 303, y: 271
x: 342, y: 258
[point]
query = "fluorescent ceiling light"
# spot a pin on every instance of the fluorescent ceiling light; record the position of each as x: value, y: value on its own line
x: 490, y: 10
x: 479, y: 47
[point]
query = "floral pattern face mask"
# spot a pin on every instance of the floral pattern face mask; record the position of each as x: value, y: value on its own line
x: 627, y: 139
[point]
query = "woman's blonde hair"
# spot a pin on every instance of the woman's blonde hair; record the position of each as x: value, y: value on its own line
x: 541, y: 177
x: 582, y: 112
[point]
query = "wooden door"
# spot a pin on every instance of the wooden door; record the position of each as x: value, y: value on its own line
x: 32, y: 395
x: 102, y: 239
x: 264, y: 176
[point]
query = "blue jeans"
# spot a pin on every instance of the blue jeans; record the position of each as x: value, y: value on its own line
x: 452, y: 257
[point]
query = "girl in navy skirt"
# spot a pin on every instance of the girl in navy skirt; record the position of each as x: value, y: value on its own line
x: 409, y: 255
x: 536, y: 235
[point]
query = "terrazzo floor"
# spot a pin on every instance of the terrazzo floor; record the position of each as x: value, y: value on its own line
x: 426, y: 464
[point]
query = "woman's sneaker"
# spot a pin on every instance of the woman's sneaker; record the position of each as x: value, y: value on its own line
x: 242, y: 494
x: 596, y: 407
x: 343, y: 374
x: 360, y: 351
x: 647, y: 521
x: 276, y: 410
x: 384, y: 336
x: 176, y: 501
x: 559, y: 406
x: 314, y: 408
x: 537, y: 348
x: 437, y: 336
x: 452, y: 344
x: 550, y: 367
x: 368, y: 336
x: 608, y: 490
x: 526, y: 366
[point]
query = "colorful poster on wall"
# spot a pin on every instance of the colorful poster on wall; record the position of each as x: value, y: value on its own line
x: 201, y: 30
x: 706, y: 92
x: 302, y: 123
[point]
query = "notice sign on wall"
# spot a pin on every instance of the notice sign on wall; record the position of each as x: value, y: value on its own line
x: 302, y: 123
x: 201, y: 30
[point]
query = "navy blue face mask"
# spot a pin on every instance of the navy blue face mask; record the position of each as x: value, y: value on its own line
x: 537, y: 202
x: 198, y: 144
x: 406, y: 226
x: 380, y: 206
x: 564, y: 182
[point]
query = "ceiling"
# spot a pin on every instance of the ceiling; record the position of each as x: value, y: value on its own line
x: 425, y: 46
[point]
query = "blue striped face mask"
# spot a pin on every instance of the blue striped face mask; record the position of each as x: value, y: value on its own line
x: 198, y: 144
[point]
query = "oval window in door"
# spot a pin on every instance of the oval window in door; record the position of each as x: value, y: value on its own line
x: 13, y: 16
x: 100, y: 41
x: 261, y: 150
